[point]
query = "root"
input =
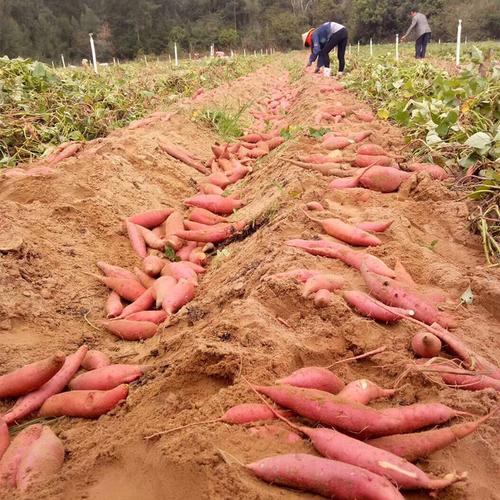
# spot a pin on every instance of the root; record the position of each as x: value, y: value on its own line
x: 174, y: 429
x: 228, y: 462
x: 361, y: 356
x: 89, y: 322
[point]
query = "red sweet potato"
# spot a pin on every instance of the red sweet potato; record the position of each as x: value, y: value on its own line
x: 322, y: 298
x: 144, y: 302
x: 393, y: 293
x: 363, y: 391
x: 207, y: 188
x: 338, y: 446
x: 30, y: 377
x: 180, y: 294
x: 4, y: 440
x: 136, y: 239
x: 363, y: 161
x: 346, y: 232
x: 199, y: 257
x: 95, y: 359
x: 383, y: 179
x: 152, y: 265
x: 214, y: 234
x: 365, y: 116
x: 314, y: 205
x: 363, y: 421
x: 361, y: 136
x: 238, y: 173
x: 205, y: 217
x: 108, y: 377
x: 332, y: 141
x: 275, y: 142
x: 214, y: 203
x: 174, y: 223
x: 254, y: 138
x: 183, y: 157
x: 195, y: 267
x: 218, y: 179
x: 426, y: 345
x: 322, y: 281
x: 126, y: 288
x: 130, y: 330
x: 43, y: 459
x: 435, y: 171
x: 325, y: 477
x: 421, y: 444
x: 114, y: 306
x: 32, y: 401
x: 144, y: 279
x: 162, y: 287
x: 371, y: 150
x: 250, y: 412
x: 376, y: 226
x: 152, y: 218
x: 344, y: 183
x: 151, y: 316
x: 115, y: 271
x: 83, y: 404
x: 151, y: 239
x: 371, y: 308
x: 314, y: 377
x: 402, y: 274
x: 9, y: 463
x: 181, y: 270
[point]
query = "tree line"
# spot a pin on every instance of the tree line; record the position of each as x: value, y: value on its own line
x: 44, y: 29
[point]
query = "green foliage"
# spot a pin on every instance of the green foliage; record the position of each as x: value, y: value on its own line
x: 225, y: 122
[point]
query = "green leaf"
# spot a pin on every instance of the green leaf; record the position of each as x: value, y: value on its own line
x: 170, y: 254
x: 318, y: 132
x: 479, y: 140
x: 383, y: 114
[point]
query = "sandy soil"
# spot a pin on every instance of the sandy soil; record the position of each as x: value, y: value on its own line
x: 65, y: 223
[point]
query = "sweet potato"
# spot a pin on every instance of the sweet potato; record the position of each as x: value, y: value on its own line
x: 43, y: 459
x: 363, y: 421
x: 218, y: 179
x: 331, y: 141
x: 115, y: 271
x: 393, y: 293
x: 363, y: 391
x: 365, y: 116
x: 322, y: 281
x: 108, y: 377
x: 199, y: 257
x: 371, y: 150
x: 214, y: 203
x: 238, y: 173
x: 314, y: 377
x: 275, y: 142
x: 151, y: 239
x: 364, y: 161
x: 372, y: 308
x: 196, y: 267
x: 214, y: 234
x: 151, y: 316
x: 4, y: 440
x: 180, y: 270
x: 126, y: 288
x: 361, y: 136
x: 180, y: 294
x: 30, y: 377
x: 114, y: 306
x: 162, y: 287
x: 402, y: 274
x: 144, y: 302
x: 346, y: 232
x: 83, y: 404
x: 186, y: 250
x: 151, y: 219
x: 335, y: 250
x: 144, y: 279
x: 173, y: 224
x: 344, y: 183
x: 95, y: 359
x: 426, y: 345
x: 136, y: 239
x: 130, y: 330
x: 250, y: 412
x: 325, y: 477
x: 383, y: 179
x: 322, y: 298
x: 338, y: 446
x: 435, y: 171
x: 207, y: 188
x: 205, y: 217
x: 32, y: 401
x: 9, y: 463
x: 315, y: 158
x: 181, y: 155
x: 376, y: 226
x: 152, y: 265
x: 254, y: 138
x: 421, y: 444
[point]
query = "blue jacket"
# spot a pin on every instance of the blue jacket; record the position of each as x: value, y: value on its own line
x: 320, y: 37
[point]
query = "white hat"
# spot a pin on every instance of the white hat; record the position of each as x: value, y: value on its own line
x: 305, y: 35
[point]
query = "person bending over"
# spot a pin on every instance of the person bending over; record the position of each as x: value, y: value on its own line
x: 423, y: 33
x: 322, y: 41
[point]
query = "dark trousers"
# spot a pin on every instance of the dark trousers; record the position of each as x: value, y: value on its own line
x: 339, y: 40
x: 421, y: 45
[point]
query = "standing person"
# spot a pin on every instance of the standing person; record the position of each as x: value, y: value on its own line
x: 422, y: 30
x: 322, y: 41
